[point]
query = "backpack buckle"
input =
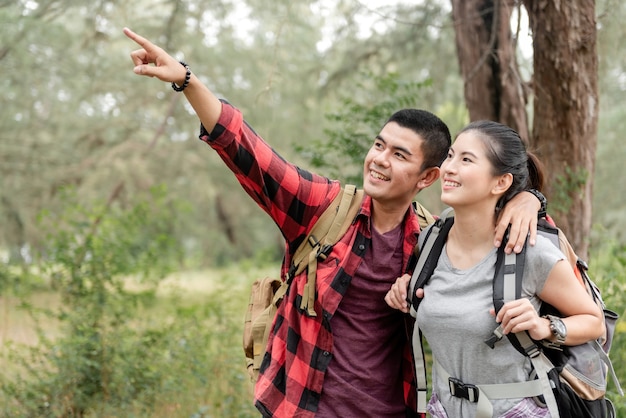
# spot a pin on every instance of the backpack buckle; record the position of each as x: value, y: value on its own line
x: 323, y: 252
x: 496, y: 336
x: 463, y: 390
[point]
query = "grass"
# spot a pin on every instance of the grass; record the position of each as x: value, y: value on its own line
x: 17, y: 325
x: 194, y: 366
x: 196, y: 320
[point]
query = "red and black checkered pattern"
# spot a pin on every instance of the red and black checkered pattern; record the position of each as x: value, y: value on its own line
x: 300, y: 346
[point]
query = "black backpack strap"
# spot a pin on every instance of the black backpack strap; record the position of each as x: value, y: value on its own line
x: 507, y: 286
x: 428, y: 257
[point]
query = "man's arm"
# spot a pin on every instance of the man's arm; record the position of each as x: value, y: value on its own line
x: 521, y: 212
x: 153, y: 61
x: 294, y: 198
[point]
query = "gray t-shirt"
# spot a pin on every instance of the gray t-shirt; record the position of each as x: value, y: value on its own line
x: 454, y: 317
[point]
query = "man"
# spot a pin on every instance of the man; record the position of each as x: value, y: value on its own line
x: 352, y: 358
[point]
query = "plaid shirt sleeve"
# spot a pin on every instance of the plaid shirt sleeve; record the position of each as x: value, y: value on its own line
x: 293, y: 197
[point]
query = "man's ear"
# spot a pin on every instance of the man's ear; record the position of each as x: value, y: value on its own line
x: 503, y: 184
x: 428, y: 177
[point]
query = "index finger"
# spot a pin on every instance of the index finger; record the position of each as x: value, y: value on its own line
x: 143, y: 42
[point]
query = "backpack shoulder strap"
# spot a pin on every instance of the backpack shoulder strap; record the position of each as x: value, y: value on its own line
x: 428, y: 256
x: 328, y: 229
x: 424, y: 216
x: 427, y: 260
x: 330, y: 226
x: 507, y: 285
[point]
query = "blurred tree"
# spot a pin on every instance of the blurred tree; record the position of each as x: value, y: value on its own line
x: 566, y: 106
x: 609, y: 199
x: 493, y: 86
x: 564, y: 85
x: 73, y: 114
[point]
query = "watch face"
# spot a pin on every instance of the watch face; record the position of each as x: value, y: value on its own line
x: 559, y: 327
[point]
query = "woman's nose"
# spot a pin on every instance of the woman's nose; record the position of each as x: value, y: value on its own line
x: 447, y: 166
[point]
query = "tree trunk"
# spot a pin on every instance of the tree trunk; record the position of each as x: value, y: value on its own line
x: 494, y: 89
x: 565, y: 87
x: 566, y: 109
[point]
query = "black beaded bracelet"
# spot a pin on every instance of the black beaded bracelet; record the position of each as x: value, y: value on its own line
x: 187, y: 77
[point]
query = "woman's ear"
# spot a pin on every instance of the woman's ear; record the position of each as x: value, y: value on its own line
x: 502, y: 185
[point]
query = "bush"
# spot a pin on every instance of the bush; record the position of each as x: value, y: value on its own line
x: 608, y: 270
x: 98, y: 356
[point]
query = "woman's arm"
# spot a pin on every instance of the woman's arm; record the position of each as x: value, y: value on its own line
x: 582, y: 317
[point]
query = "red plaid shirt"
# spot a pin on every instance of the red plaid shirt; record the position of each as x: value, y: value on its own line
x: 300, y: 347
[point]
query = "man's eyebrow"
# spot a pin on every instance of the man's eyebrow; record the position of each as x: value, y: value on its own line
x: 395, y: 147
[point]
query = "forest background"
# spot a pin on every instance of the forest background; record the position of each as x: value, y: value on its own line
x: 126, y: 246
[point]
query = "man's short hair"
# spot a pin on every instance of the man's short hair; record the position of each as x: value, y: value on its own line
x: 434, y: 132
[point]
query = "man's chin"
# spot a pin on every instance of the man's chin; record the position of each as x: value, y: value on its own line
x: 375, y: 192
x: 369, y: 189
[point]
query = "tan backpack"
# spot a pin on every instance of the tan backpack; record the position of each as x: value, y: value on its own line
x: 267, y: 293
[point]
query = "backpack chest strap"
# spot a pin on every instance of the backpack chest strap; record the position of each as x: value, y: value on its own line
x: 483, y: 394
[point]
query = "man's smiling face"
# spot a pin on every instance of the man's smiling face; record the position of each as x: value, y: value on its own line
x: 393, y: 165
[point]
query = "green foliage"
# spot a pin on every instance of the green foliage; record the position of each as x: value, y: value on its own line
x: 359, y: 118
x: 9, y: 279
x: 608, y: 199
x: 98, y: 356
x: 180, y: 357
x: 608, y: 270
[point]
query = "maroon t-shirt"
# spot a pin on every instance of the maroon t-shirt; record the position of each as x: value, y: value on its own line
x: 364, y: 377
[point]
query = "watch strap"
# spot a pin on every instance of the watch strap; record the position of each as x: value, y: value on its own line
x: 554, y: 327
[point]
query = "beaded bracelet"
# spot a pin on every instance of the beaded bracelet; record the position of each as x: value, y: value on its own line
x: 187, y: 77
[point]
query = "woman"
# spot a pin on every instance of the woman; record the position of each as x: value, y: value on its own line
x: 486, y: 166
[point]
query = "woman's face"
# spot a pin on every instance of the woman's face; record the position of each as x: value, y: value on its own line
x: 466, y: 174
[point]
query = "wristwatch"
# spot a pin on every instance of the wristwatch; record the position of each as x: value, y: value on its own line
x: 543, y: 210
x: 558, y: 329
